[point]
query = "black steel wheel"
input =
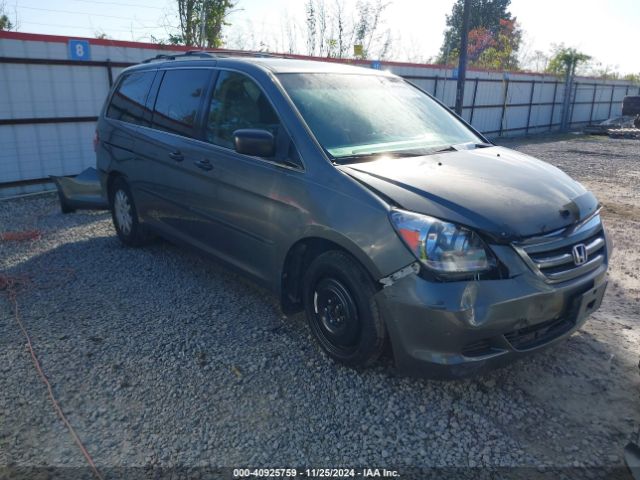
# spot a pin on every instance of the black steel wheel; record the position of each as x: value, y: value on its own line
x: 335, y: 319
x: 341, y: 309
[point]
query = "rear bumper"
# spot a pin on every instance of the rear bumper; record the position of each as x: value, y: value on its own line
x: 81, y: 192
x: 456, y: 329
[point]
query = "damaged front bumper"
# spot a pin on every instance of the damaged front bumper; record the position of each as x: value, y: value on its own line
x: 455, y: 329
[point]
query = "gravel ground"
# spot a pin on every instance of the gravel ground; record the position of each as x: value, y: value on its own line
x: 161, y: 359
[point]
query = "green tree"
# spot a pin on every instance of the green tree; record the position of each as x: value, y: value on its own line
x: 503, y: 54
x: 5, y: 23
x: 310, y: 20
x: 493, y: 51
x: 334, y: 34
x: 633, y: 77
x: 565, y: 59
x: 190, y: 15
x: 485, y: 14
x: 369, y: 17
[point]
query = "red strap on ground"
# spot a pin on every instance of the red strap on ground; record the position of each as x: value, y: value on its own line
x: 10, y: 286
x: 20, y: 236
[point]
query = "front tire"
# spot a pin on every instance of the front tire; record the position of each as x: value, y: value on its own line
x: 125, y: 216
x: 341, y: 309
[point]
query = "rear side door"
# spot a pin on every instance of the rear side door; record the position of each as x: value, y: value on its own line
x: 246, y: 220
x: 119, y: 132
x: 176, y: 161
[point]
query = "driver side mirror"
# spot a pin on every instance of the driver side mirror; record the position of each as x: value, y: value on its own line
x: 254, y: 142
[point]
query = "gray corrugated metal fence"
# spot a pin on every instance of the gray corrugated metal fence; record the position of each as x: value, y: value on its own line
x: 49, y: 103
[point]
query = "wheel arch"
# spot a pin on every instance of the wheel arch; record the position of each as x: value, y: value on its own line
x: 300, y: 255
x: 111, y: 178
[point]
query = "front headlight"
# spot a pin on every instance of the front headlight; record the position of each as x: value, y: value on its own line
x: 441, y: 246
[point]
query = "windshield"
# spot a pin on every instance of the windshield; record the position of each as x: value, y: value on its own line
x: 358, y: 115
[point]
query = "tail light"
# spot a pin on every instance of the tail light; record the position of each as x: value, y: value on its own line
x: 96, y: 141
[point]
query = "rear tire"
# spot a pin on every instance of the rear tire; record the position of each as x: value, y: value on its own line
x: 343, y: 316
x: 125, y: 216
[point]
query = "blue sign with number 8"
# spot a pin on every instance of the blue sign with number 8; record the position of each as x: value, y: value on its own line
x: 79, y: 50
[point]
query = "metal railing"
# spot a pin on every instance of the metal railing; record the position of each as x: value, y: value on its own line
x: 505, y: 104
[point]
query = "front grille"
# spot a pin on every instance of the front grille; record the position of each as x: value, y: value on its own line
x: 551, y: 256
x: 539, y: 334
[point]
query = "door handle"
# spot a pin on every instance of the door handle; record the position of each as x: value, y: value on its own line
x: 204, y: 164
x: 177, y: 156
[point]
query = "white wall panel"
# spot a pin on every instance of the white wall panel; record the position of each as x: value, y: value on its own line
x: 37, y: 151
x: 32, y: 151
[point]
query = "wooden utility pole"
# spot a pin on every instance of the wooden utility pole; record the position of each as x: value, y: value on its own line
x: 462, y: 63
x: 565, y: 121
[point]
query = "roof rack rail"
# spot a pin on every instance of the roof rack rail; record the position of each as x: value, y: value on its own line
x: 190, y: 53
x: 213, y: 54
x: 245, y: 53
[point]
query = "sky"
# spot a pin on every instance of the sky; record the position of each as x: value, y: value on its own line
x: 604, y: 29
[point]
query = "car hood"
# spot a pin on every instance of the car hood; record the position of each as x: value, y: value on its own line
x: 503, y: 193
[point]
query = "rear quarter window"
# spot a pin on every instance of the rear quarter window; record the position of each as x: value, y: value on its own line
x: 128, y: 101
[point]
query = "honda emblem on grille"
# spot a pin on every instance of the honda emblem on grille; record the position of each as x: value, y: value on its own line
x: 579, y: 254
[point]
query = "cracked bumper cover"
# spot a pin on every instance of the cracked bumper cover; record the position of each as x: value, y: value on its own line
x: 455, y: 329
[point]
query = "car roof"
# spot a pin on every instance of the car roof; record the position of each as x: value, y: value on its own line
x: 272, y: 64
x: 289, y: 65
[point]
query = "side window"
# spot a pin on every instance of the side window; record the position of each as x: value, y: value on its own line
x: 127, y: 102
x: 179, y: 99
x: 237, y: 103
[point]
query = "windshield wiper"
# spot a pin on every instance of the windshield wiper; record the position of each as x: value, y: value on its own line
x: 368, y: 157
x: 460, y: 147
x: 450, y: 148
